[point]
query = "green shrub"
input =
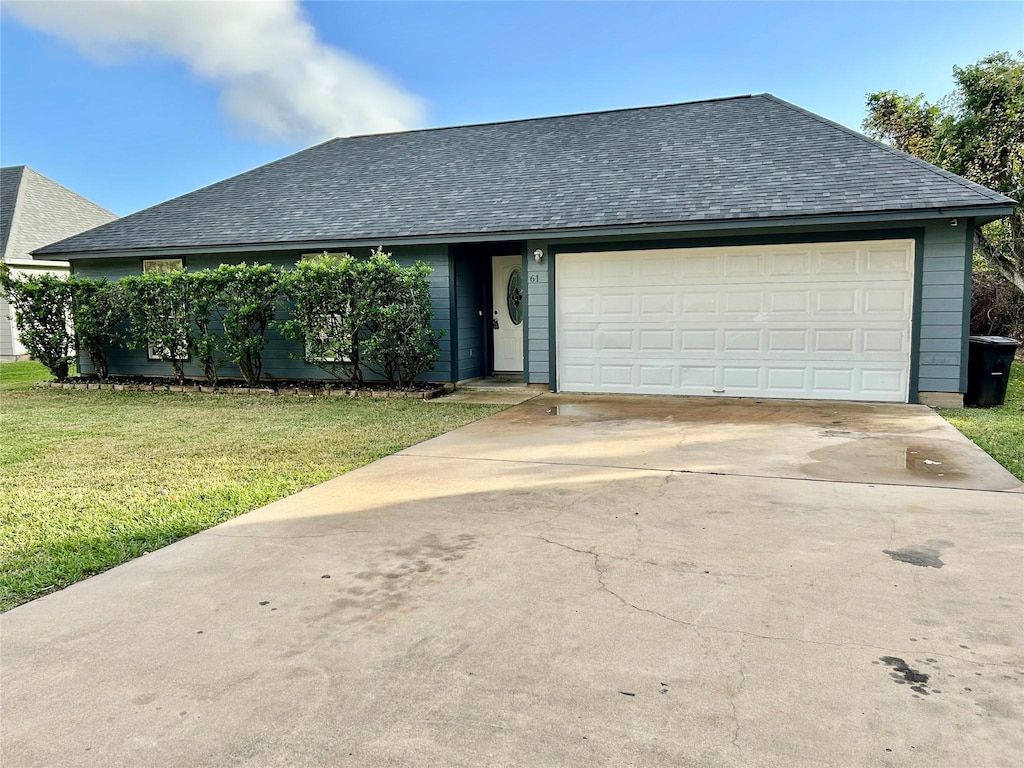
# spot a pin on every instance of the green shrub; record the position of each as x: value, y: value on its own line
x: 204, y: 289
x: 397, y: 343
x: 157, y: 304
x: 248, y: 299
x: 98, y: 308
x: 324, y: 301
x: 42, y: 310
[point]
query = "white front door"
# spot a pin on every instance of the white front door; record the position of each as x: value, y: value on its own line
x: 507, y: 316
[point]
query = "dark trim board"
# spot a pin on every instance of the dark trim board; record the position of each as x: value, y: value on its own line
x: 526, y: 312
x: 913, y: 389
x: 915, y: 233
x: 833, y: 236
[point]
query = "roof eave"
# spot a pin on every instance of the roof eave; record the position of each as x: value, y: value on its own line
x: 981, y: 214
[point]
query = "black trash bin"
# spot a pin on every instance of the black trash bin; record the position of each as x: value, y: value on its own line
x: 988, y: 369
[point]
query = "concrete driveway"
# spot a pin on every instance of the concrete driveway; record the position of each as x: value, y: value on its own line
x: 575, y: 581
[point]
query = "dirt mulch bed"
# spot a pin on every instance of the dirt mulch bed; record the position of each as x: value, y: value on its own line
x: 418, y: 391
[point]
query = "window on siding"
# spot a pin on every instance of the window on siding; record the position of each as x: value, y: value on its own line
x: 159, y: 266
x: 323, y: 336
x: 323, y: 255
x: 332, y: 320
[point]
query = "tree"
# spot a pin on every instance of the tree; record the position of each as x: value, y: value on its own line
x: 42, y: 309
x: 204, y: 289
x: 248, y: 301
x: 397, y: 341
x: 976, y: 132
x: 98, y: 308
x: 325, y: 303
x: 157, y: 304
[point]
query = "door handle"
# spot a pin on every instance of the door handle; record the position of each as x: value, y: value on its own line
x: 494, y: 323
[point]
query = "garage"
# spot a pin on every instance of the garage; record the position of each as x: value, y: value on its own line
x: 805, y: 321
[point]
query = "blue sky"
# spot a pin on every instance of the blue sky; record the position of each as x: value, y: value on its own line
x: 133, y: 130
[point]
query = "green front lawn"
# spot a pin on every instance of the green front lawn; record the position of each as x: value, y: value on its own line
x: 89, y: 480
x: 999, y: 431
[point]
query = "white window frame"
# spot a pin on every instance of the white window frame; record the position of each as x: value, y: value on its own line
x: 161, y: 266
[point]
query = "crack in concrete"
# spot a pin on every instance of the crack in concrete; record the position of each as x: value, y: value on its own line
x: 739, y: 689
x: 695, y: 626
x: 872, y: 484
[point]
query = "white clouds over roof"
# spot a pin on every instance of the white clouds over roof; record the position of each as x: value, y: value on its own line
x: 275, y: 77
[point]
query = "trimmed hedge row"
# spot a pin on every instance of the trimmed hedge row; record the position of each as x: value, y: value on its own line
x: 350, y: 316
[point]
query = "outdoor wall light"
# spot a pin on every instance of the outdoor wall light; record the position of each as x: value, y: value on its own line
x: 538, y: 255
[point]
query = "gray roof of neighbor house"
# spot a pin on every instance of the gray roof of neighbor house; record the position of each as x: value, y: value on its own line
x: 36, y: 211
x: 741, y: 158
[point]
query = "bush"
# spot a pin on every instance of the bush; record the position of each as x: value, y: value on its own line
x: 398, y: 342
x: 248, y: 300
x: 996, y: 307
x: 326, y: 318
x: 98, y: 308
x: 157, y: 303
x: 204, y: 290
x: 42, y: 309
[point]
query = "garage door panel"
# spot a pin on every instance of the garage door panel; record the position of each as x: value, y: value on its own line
x: 809, y: 321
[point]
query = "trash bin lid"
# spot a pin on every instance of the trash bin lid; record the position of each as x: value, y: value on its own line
x: 995, y: 341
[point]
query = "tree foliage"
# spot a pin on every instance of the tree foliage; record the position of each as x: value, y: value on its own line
x: 248, y: 300
x: 157, y: 304
x: 98, y: 309
x: 398, y: 342
x: 203, y: 289
x: 976, y: 132
x: 42, y: 310
x: 324, y: 295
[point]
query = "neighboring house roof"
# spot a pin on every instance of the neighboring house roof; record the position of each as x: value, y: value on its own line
x: 36, y: 211
x: 742, y: 158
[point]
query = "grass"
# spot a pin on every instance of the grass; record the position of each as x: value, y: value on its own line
x: 89, y: 480
x: 999, y: 431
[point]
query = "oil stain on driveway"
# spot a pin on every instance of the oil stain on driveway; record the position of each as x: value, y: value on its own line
x: 613, y: 581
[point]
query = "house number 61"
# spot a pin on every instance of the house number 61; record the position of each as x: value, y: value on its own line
x: 534, y: 278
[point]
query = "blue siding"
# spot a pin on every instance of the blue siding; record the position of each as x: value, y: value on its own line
x: 944, y: 303
x: 941, y: 305
x: 471, y: 305
x: 282, y: 357
x: 539, y: 309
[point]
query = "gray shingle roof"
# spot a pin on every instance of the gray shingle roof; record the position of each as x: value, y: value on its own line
x: 10, y: 179
x: 36, y: 211
x: 751, y: 157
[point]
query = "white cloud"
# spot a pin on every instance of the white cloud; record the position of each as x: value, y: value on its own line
x: 274, y: 75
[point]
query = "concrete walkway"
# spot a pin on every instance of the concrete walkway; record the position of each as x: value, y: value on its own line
x: 574, y: 581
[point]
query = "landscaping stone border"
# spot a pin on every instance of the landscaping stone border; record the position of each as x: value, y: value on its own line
x: 289, y: 391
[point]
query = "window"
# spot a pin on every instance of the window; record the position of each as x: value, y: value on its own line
x: 324, y: 255
x: 161, y: 266
x: 327, y: 333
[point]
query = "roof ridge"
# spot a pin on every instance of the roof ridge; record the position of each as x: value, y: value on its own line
x: 546, y: 117
x: 978, y: 189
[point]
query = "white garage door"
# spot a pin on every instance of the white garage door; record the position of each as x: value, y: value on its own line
x: 822, y: 321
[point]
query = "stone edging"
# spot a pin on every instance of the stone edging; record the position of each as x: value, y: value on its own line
x: 188, y: 389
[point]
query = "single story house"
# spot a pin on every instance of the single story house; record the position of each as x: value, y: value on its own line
x: 34, y: 211
x: 738, y: 247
